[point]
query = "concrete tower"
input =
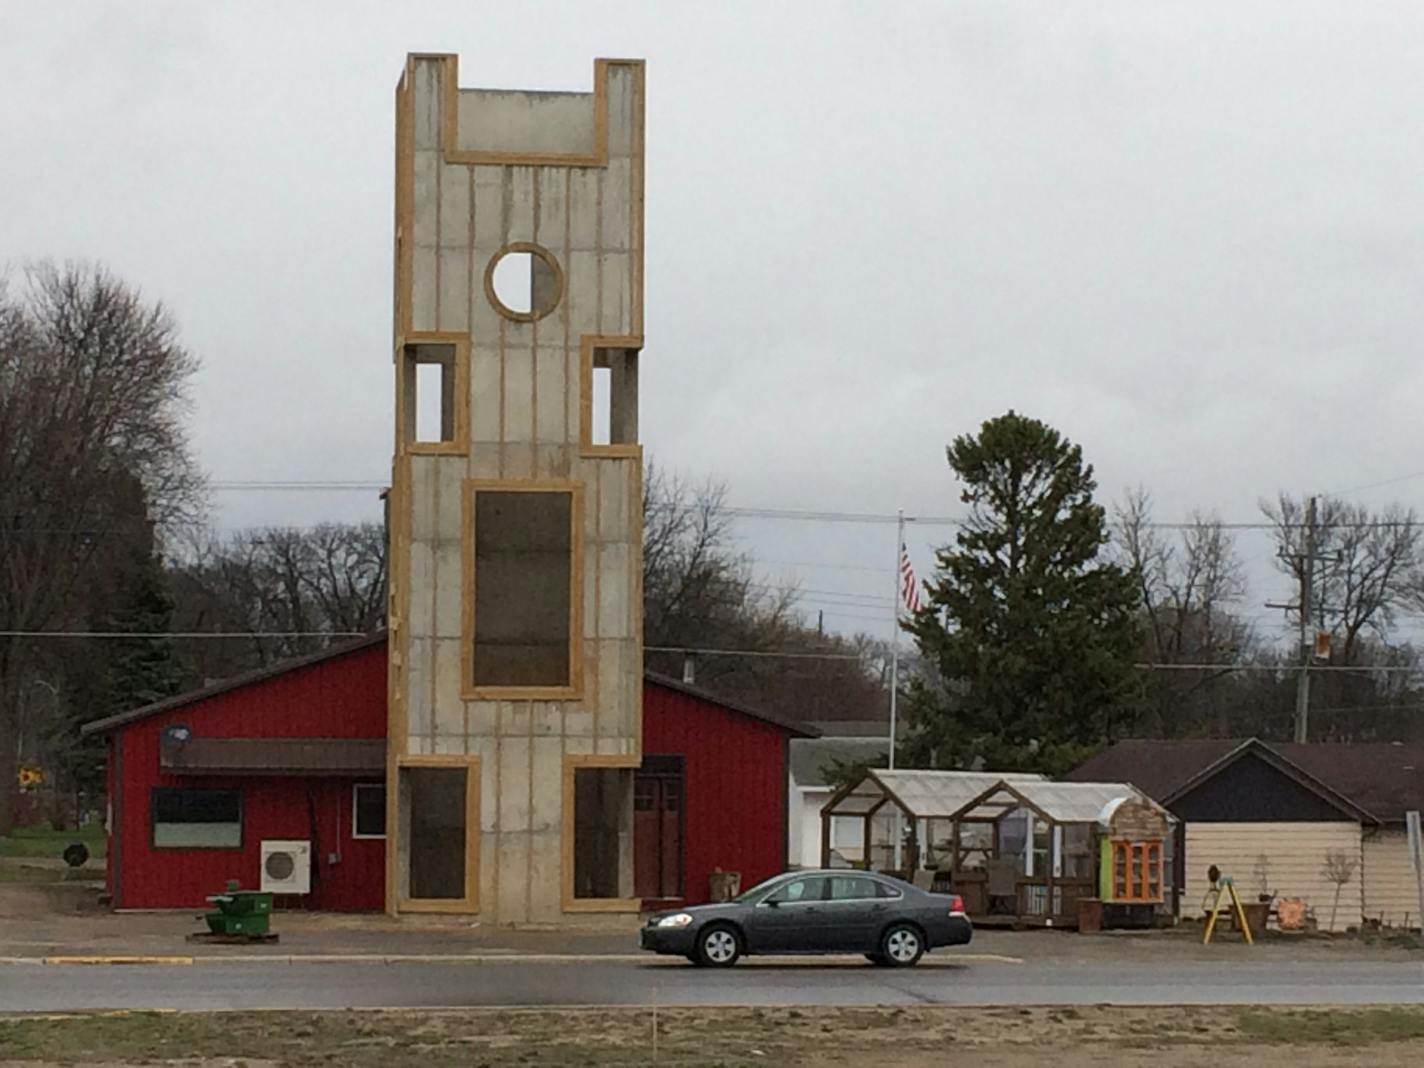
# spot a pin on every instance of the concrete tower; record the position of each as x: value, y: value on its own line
x: 516, y: 497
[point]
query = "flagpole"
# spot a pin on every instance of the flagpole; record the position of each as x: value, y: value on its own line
x: 896, y: 853
x: 895, y: 633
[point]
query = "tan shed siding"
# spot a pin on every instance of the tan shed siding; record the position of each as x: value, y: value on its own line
x: 1295, y: 855
x: 1391, y: 894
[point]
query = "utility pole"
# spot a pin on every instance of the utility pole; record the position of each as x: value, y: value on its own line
x: 1304, y: 562
x: 1307, y: 649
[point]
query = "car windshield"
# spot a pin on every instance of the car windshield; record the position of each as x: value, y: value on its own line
x: 756, y: 891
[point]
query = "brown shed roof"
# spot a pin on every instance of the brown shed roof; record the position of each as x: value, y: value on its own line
x: 1384, y: 779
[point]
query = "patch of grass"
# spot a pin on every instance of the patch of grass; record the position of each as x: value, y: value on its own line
x: 25, y: 873
x: 47, y: 842
x: 1331, y: 1027
x: 786, y: 1036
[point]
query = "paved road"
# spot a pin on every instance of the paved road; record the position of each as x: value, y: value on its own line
x: 258, y: 985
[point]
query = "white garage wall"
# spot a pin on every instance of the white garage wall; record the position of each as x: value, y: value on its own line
x: 1295, y: 859
x: 1391, y: 894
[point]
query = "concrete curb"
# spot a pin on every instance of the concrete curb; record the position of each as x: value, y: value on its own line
x: 479, y: 958
x: 119, y: 959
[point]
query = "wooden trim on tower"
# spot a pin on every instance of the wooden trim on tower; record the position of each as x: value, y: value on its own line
x: 574, y: 690
x: 397, y: 635
x: 450, y: 122
x: 470, y: 903
x: 588, y: 344
x: 572, y: 762
x: 459, y: 445
x: 533, y: 315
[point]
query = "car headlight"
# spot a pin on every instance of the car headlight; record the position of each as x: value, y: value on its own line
x: 677, y: 919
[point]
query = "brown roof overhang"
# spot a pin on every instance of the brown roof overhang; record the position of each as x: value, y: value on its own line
x: 274, y: 756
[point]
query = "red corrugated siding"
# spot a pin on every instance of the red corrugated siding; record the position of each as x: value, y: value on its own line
x: 340, y: 698
x: 735, y: 786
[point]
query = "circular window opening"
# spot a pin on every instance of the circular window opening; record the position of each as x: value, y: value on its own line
x: 523, y: 282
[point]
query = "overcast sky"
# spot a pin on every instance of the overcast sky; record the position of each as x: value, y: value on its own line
x: 1190, y: 236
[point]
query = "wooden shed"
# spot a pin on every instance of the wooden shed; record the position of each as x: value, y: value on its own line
x: 1018, y: 848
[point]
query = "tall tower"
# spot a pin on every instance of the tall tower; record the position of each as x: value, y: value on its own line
x: 516, y: 511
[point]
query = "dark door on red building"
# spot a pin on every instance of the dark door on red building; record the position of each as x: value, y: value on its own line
x: 657, y: 828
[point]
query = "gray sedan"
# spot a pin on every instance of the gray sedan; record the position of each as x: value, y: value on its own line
x: 890, y: 921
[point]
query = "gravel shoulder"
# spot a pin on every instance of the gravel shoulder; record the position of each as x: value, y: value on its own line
x: 1173, y: 1037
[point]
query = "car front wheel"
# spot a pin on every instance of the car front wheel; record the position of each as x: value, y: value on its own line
x: 902, y: 945
x: 718, y: 947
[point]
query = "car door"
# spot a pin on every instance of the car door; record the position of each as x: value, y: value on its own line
x: 852, y: 918
x: 784, y: 920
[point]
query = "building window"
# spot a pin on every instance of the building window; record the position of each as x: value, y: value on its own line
x: 196, y: 819
x: 523, y: 588
x: 600, y: 800
x: 1137, y: 871
x: 368, y: 804
x: 439, y: 831
x: 611, y: 396
x: 524, y: 282
x: 433, y: 404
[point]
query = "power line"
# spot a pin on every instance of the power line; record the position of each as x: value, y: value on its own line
x: 766, y: 653
x: 1375, y: 485
x: 108, y: 635
x: 182, y: 635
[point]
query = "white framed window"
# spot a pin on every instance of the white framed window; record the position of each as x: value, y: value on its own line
x: 195, y: 819
x: 368, y: 810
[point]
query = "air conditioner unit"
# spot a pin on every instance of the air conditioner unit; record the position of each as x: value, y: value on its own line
x: 286, y: 867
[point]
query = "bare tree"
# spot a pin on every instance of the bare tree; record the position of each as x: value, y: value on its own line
x: 1367, y: 567
x: 700, y: 592
x: 1189, y: 586
x: 1339, y: 869
x: 93, y: 393
x: 321, y: 582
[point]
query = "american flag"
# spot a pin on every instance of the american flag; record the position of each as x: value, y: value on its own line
x: 909, y: 588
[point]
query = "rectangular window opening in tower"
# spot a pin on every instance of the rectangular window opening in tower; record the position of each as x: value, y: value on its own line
x: 429, y: 385
x: 523, y: 575
x: 614, y: 397
x: 601, y: 799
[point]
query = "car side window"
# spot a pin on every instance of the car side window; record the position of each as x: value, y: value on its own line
x: 799, y: 890
x: 853, y: 888
x: 886, y: 890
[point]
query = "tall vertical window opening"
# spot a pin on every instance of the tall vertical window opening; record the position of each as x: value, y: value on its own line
x: 601, y: 797
x: 613, y: 397
x: 523, y: 594
x: 429, y: 376
x: 437, y: 807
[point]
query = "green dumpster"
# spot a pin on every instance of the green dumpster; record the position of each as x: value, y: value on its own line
x: 240, y: 912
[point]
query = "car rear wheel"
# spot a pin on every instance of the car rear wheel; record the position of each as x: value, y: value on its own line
x: 902, y: 945
x: 718, y: 947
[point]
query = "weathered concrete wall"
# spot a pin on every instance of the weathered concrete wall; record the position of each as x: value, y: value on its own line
x: 563, y: 172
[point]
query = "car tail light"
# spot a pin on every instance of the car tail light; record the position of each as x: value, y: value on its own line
x: 956, y: 905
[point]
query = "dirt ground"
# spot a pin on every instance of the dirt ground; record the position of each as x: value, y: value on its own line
x: 912, y: 1037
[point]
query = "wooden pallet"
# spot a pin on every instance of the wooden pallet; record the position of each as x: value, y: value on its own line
x: 216, y: 938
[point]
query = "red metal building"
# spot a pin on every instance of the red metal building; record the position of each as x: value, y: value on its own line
x: 198, y: 782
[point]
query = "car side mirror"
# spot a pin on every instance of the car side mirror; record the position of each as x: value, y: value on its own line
x: 773, y: 901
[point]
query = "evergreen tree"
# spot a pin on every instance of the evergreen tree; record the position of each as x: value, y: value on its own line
x: 102, y: 677
x: 1031, y: 631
